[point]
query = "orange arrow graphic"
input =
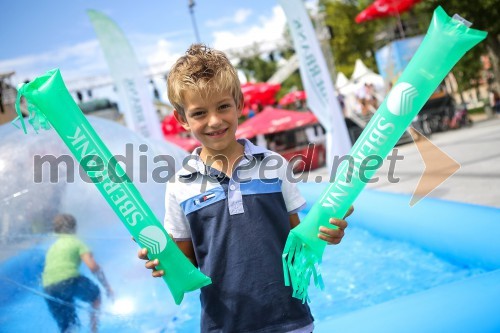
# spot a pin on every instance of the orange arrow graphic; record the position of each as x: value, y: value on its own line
x: 439, y: 166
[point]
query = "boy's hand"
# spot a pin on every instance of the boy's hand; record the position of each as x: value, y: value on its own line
x: 334, y: 236
x: 185, y: 246
x: 150, y: 264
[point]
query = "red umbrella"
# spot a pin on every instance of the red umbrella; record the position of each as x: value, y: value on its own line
x: 292, y: 97
x: 170, y: 126
x: 260, y: 93
x: 383, y: 8
x: 272, y: 120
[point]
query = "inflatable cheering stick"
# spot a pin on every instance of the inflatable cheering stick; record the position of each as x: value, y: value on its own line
x: 50, y: 104
x: 446, y: 41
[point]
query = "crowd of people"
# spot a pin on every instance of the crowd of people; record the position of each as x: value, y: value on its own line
x: 367, y: 100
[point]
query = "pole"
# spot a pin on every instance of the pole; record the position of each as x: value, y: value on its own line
x: 400, y: 26
x: 193, y: 19
x: 324, y: 38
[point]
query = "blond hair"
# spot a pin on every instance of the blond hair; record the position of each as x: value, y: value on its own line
x: 203, y: 70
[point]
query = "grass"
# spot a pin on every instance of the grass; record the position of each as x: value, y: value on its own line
x: 476, y: 110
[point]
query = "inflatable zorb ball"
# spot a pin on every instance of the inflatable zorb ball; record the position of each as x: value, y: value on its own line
x: 51, y: 105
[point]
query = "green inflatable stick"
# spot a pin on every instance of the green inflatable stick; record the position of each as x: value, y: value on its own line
x: 447, y: 40
x: 49, y: 102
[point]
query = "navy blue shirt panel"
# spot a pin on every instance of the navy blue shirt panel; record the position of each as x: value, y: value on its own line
x: 255, y: 240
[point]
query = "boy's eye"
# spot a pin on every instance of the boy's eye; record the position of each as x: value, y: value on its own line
x: 224, y: 106
x: 197, y: 114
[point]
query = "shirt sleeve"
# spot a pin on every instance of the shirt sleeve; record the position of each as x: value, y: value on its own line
x: 175, y: 222
x: 294, y: 201
x: 82, y: 247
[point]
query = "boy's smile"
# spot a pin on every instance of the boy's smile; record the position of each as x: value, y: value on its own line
x: 212, y: 120
x: 217, y: 134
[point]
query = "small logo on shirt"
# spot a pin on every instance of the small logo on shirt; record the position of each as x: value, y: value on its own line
x: 204, y: 198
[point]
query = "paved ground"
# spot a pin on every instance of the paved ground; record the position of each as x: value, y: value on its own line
x: 476, y: 149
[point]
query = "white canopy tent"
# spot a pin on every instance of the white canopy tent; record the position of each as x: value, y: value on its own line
x: 342, y: 81
x: 354, y: 88
x: 362, y: 75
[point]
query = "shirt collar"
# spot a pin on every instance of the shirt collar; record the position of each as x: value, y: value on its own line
x: 196, y: 165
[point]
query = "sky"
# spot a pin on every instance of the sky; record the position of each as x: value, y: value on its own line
x: 37, y: 36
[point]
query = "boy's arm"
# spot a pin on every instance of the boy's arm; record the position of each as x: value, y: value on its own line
x: 177, y: 226
x: 176, y: 223
x: 294, y: 220
x: 89, y: 260
x: 186, y: 246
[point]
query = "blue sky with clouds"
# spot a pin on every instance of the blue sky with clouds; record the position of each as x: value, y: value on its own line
x: 39, y: 35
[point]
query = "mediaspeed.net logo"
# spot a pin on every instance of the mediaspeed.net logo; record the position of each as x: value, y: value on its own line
x: 153, y: 239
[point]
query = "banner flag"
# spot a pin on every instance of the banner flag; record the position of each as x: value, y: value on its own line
x: 135, y: 100
x: 318, y: 85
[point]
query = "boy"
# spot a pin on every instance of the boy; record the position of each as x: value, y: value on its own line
x: 231, y: 207
x: 62, y: 281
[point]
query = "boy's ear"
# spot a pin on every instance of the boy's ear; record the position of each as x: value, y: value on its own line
x: 240, y: 105
x: 181, y: 120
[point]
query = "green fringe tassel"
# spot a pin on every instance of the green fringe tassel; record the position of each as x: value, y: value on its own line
x: 299, y: 264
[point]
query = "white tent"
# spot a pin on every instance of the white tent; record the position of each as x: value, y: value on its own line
x: 362, y: 75
x: 355, y: 87
x: 360, y: 70
x: 341, y: 81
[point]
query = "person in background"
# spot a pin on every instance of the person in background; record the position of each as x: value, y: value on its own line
x: 252, y: 111
x: 62, y: 281
x: 495, y: 101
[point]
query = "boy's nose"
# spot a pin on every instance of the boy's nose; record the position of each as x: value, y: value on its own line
x: 214, y: 120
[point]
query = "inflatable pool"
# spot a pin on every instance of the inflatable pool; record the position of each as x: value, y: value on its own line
x: 463, y: 234
x: 431, y: 268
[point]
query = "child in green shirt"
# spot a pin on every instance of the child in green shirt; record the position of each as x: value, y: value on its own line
x: 61, y: 278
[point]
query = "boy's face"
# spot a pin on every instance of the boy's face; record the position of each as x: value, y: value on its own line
x: 213, y: 120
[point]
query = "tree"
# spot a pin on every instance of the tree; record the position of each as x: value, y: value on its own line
x: 350, y: 41
x: 255, y: 66
x: 484, y: 15
x: 294, y: 81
